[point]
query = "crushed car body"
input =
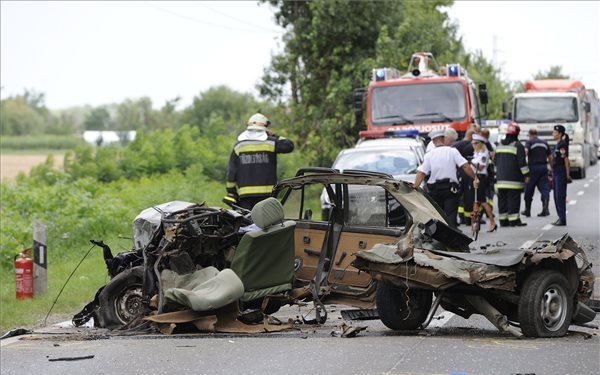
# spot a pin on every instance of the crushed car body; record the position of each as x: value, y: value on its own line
x: 381, y: 247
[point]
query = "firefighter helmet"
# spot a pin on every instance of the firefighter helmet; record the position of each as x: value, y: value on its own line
x: 258, y: 121
x: 513, y: 128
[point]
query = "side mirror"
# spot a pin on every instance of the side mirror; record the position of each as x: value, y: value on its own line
x: 505, y: 113
x: 358, y: 99
x: 483, y: 94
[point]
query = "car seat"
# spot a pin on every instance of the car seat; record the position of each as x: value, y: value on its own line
x: 264, y: 258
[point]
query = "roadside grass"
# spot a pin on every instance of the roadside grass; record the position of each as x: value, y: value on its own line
x: 79, y: 290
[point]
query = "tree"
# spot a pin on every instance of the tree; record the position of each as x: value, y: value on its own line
x: 232, y: 107
x: 554, y: 72
x: 98, y: 119
x: 331, y: 48
x: 18, y: 118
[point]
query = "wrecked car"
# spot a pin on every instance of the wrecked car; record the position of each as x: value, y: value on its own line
x: 383, y: 248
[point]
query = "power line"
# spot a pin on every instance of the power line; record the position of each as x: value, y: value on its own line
x: 202, y: 4
x: 193, y: 19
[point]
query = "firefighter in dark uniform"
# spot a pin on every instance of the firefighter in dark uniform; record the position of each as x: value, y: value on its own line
x: 252, y: 169
x: 440, y: 164
x: 465, y: 147
x: 560, y: 173
x: 512, y: 173
x: 538, y: 154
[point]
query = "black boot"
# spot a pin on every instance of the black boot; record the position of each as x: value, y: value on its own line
x: 545, y: 211
x: 527, y: 211
x: 504, y: 223
x: 560, y: 223
x: 517, y: 223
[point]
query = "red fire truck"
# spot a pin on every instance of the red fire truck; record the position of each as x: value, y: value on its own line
x: 425, y: 98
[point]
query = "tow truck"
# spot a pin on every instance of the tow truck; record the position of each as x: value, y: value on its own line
x: 425, y: 98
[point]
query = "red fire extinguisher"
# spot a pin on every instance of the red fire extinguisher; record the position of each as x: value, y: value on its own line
x: 24, y: 275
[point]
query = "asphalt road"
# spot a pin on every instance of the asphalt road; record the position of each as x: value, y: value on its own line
x: 450, y: 344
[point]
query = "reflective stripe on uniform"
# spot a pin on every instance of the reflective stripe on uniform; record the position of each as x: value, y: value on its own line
x: 254, y: 147
x: 506, y: 149
x: 230, y: 184
x: 513, y: 217
x: 525, y: 170
x: 510, y: 185
x: 248, y: 190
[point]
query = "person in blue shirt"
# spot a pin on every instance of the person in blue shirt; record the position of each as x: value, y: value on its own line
x: 538, y: 154
x: 560, y: 173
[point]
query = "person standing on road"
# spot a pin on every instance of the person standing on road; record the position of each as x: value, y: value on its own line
x: 479, y: 164
x: 537, y: 152
x: 252, y: 169
x: 441, y: 163
x: 512, y: 173
x: 560, y: 173
x: 465, y: 147
x: 491, y: 168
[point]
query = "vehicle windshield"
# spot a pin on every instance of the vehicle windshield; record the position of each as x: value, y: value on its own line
x: 548, y: 109
x: 393, y: 161
x: 418, y: 103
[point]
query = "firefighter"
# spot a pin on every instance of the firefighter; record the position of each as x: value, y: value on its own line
x: 465, y: 147
x: 441, y: 163
x: 252, y: 169
x: 512, y: 173
x: 537, y: 152
x: 560, y: 173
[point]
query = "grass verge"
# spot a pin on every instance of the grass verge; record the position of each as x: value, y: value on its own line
x: 80, y: 289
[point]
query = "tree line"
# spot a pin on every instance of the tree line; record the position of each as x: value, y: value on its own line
x: 330, y: 49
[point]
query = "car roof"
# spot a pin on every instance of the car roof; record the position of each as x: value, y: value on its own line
x: 380, y: 142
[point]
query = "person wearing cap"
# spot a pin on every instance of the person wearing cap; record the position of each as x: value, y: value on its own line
x: 512, y: 172
x: 252, y: 168
x: 450, y: 136
x: 560, y: 173
x: 538, y: 153
x: 479, y: 164
x: 440, y: 164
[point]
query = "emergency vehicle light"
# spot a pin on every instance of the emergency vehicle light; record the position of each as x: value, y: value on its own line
x: 381, y: 74
x: 453, y: 70
x: 371, y: 134
x: 401, y: 133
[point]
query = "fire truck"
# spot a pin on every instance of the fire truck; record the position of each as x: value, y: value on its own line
x: 548, y: 102
x: 425, y: 98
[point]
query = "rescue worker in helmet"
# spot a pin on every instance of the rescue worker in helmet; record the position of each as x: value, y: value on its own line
x: 252, y: 168
x: 512, y: 173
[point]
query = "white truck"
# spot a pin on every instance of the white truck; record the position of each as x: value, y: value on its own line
x: 549, y: 102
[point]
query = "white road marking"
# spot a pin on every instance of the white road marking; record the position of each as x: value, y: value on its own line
x: 527, y: 244
x: 580, y: 192
x: 586, y: 185
x: 547, y: 227
x: 572, y: 202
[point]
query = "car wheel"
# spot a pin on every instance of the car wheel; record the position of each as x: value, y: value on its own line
x: 545, y: 308
x: 120, y: 302
x: 401, y: 308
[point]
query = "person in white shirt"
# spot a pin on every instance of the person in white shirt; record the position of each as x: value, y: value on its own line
x: 442, y: 186
x: 479, y: 163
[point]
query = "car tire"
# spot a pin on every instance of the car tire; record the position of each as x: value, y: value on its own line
x: 545, y: 305
x: 120, y: 302
x: 401, y: 308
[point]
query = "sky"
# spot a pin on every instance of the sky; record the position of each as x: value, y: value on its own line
x: 95, y: 53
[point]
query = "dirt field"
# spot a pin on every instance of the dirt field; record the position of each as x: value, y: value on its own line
x: 12, y: 164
